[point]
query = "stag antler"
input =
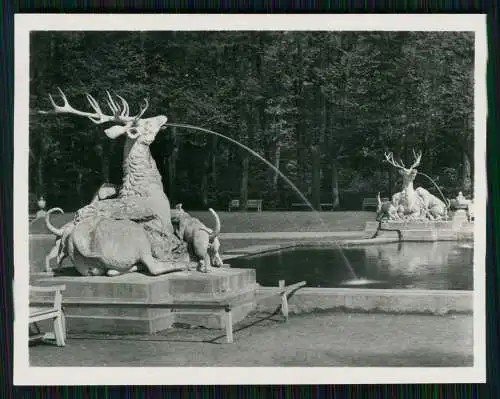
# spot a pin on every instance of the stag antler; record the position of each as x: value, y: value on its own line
x: 417, y: 157
x: 389, y: 157
x: 143, y: 109
x: 120, y: 114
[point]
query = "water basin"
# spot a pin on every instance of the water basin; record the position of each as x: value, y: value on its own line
x: 409, y: 265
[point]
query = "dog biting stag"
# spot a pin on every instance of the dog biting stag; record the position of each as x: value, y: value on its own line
x: 203, y: 243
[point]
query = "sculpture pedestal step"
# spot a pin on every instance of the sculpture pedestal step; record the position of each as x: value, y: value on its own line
x: 219, y: 286
x: 418, y: 225
x: 437, y: 230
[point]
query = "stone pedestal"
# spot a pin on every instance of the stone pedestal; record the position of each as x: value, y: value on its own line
x: 417, y: 225
x: 459, y: 217
x: 218, y: 286
x: 457, y: 229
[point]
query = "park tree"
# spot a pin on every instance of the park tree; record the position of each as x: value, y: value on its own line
x: 322, y: 107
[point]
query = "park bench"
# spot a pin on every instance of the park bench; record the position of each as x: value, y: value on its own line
x: 302, y: 205
x: 225, y: 308
x: 251, y: 204
x: 50, y: 309
x: 371, y: 202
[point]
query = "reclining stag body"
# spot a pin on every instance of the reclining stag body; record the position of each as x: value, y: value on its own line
x: 113, y: 236
x: 436, y: 209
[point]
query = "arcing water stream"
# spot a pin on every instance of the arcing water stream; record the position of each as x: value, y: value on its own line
x: 356, y: 280
x: 435, y: 185
x: 255, y: 154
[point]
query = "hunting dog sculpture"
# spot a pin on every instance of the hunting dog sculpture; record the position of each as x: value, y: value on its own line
x: 203, y: 243
x: 60, y: 249
x: 386, y: 210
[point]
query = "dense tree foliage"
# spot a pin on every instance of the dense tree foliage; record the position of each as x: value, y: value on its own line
x: 320, y: 106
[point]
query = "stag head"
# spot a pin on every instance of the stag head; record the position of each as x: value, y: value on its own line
x: 135, y: 127
x: 408, y: 173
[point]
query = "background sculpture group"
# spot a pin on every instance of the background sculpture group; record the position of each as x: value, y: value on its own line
x: 411, y: 204
x: 127, y: 227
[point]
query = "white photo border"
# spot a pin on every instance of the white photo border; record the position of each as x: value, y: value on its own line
x: 24, y: 374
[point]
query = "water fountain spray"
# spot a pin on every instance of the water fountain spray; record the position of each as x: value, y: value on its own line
x: 356, y: 280
x: 254, y: 153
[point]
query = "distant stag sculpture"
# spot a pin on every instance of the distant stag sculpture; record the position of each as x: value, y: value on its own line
x: 415, y: 203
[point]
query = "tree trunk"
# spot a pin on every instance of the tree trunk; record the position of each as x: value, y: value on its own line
x: 172, y: 153
x: 41, y: 155
x: 277, y: 159
x: 335, y: 185
x: 142, y: 36
x: 213, y: 161
x: 244, y: 182
x: 275, y: 155
x: 466, y: 174
x: 39, y: 173
x: 300, y: 127
x: 79, y: 181
x: 172, y: 170
x: 104, y: 155
x: 323, y: 143
x: 316, y: 177
x: 204, y: 180
x: 391, y: 182
x: 244, y: 70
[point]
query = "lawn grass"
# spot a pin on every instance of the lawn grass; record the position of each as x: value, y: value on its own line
x: 253, y: 222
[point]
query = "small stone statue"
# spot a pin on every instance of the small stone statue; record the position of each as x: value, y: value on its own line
x: 41, y: 204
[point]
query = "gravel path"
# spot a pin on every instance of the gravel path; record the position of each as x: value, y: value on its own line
x: 328, y: 340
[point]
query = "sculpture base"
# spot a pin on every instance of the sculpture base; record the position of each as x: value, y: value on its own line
x: 193, y: 287
x: 457, y: 229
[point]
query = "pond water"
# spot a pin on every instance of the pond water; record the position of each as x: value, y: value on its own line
x: 410, y: 265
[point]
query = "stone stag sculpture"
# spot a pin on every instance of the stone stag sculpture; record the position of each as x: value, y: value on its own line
x: 113, y: 236
x: 415, y: 203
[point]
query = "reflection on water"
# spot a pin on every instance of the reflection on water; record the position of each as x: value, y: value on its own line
x: 433, y: 265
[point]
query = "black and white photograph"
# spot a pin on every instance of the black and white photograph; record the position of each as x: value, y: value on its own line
x: 260, y: 198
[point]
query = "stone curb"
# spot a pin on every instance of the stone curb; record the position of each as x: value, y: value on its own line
x: 436, y: 302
